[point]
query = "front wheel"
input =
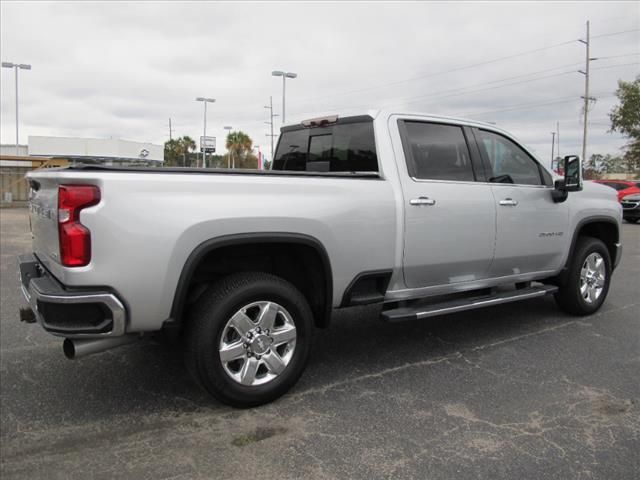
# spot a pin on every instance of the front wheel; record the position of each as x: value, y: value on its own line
x: 248, y: 338
x: 588, y: 280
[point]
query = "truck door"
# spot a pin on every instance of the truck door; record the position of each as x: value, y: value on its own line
x: 450, y: 217
x: 531, y: 233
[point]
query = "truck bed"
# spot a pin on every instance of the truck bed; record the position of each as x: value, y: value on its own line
x: 223, y: 171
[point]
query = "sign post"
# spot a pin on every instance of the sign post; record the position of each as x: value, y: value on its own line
x: 207, y: 145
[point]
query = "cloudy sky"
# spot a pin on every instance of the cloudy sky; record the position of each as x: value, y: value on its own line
x: 122, y: 69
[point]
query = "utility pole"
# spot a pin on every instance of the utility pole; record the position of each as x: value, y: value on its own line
x: 553, y: 144
x: 558, y: 136
x: 586, y: 97
x: 170, y: 130
x: 270, y: 123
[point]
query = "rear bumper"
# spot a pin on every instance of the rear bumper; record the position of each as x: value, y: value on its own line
x: 72, y: 313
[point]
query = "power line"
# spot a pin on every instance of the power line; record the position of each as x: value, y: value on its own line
x: 430, y: 75
x: 459, y: 91
x: 616, y: 33
x: 616, y: 65
x: 467, y: 91
x: 456, y: 69
x: 521, y: 106
x: 464, y: 67
x: 471, y: 88
x: 620, y: 56
x: 474, y: 65
x: 525, y: 106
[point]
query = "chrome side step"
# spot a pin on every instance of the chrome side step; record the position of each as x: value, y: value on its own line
x: 423, y: 310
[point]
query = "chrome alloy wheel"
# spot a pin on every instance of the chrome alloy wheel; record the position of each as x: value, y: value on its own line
x: 257, y: 343
x: 592, y: 278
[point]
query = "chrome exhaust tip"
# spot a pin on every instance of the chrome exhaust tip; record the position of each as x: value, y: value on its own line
x: 75, y: 348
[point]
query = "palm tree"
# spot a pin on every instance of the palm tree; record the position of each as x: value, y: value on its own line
x: 177, y: 149
x: 187, y: 145
x: 239, y: 145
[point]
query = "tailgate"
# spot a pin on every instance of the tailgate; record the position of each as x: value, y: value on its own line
x: 43, y: 216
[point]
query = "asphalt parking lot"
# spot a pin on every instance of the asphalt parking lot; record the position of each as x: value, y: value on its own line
x: 516, y: 391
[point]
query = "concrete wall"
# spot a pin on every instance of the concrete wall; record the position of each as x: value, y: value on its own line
x: 13, y: 187
x: 8, y: 149
x: 619, y: 176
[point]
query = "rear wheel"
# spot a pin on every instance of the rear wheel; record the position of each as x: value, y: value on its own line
x: 588, y: 279
x: 248, y: 339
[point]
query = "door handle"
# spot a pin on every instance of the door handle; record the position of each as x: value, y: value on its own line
x: 422, y: 201
x: 508, y: 202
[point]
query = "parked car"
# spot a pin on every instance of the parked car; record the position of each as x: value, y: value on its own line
x: 631, y: 207
x: 422, y: 215
x: 623, y: 187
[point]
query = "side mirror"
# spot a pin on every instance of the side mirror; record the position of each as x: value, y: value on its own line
x: 572, y: 173
x: 572, y: 181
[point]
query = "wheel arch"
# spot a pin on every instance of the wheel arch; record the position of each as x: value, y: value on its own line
x: 600, y: 227
x: 322, y: 313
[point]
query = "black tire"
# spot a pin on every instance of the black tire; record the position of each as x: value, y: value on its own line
x: 568, y: 296
x: 207, y: 321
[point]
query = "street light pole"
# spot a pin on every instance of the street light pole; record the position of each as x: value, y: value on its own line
x: 284, y: 75
x: 553, y: 145
x: 16, y: 66
x: 204, y: 137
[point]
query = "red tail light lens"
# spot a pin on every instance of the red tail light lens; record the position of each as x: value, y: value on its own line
x: 75, y: 238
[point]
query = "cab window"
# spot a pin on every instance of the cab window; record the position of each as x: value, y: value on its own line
x: 508, y: 162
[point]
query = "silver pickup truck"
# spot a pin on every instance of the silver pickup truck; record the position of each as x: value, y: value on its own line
x: 421, y: 215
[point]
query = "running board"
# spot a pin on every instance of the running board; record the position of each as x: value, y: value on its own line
x: 459, y: 305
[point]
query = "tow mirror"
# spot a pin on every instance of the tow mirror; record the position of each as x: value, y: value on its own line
x: 572, y: 181
x: 572, y: 173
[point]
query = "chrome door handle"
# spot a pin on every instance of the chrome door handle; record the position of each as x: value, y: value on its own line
x: 422, y: 201
x: 508, y: 202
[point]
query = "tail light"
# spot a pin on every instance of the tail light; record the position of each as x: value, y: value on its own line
x: 75, y: 238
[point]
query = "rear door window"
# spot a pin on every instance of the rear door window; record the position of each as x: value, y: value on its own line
x: 437, y: 152
x: 344, y: 147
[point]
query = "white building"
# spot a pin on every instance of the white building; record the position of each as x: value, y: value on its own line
x: 96, y: 150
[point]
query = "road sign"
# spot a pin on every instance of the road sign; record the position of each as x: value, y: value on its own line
x: 208, y: 144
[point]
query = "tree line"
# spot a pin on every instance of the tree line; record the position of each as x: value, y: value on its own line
x: 625, y: 119
x: 182, y: 152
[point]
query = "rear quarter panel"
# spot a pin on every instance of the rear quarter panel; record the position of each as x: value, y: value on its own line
x: 147, y: 225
